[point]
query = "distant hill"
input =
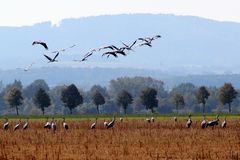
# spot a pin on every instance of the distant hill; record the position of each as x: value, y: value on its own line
x: 189, y: 45
x: 86, y: 77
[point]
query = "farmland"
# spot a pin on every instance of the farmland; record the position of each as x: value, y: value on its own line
x: 131, y: 139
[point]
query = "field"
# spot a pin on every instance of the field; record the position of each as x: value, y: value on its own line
x: 134, y: 138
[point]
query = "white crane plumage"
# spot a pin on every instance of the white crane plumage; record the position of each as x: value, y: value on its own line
x: 25, y: 126
x: 94, y: 124
x: 111, y: 123
x: 224, y: 123
x: 189, y: 122
x: 65, y: 125
x: 47, y: 124
x: 204, y: 122
x: 6, y: 124
x: 17, y: 125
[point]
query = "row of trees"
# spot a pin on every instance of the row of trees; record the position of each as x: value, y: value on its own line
x: 71, y: 98
x: 227, y: 94
x: 129, y: 95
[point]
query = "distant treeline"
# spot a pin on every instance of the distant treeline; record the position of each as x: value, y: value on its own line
x: 123, y: 95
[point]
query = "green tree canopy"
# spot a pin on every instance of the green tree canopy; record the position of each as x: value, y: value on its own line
x: 98, y: 99
x: 178, y: 101
x: 148, y: 98
x: 124, y: 98
x: 42, y: 99
x: 14, y: 98
x: 227, y: 94
x: 202, y: 96
x: 71, y: 97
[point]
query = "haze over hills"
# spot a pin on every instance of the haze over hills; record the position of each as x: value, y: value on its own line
x: 189, y: 46
x: 85, y: 78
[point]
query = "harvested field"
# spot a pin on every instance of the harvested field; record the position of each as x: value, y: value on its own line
x: 133, y: 139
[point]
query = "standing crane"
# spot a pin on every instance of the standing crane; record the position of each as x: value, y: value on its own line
x: 65, y: 125
x: 17, y: 125
x: 105, y: 123
x: 47, y: 124
x: 53, y: 125
x: 213, y: 122
x: 6, y: 124
x: 111, y: 123
x: 152, y: 119
x: 94, y: 124
x: 204, y: 122
x: 25, y: 126
x: 189, y: 121
x: 224, y: 123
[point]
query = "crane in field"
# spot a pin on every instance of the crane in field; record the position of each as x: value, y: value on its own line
x: 16, y: 127
x: 111, y: 123
x: 94, y: 124
x: 47, y: 124
x: 65, y: 125
x: 25, y: 126
x: 189, y: 121
x: 224, y: 123
x: 204, y: 122
x: 213, y: 122
x: 53, y: 125
x: 6, y: 124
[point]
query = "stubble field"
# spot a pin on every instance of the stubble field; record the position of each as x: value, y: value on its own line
x: 131, y: 139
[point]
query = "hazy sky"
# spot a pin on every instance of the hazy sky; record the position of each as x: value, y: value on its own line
x: 28, y: 12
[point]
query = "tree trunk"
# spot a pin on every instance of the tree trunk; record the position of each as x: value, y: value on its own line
x: 43, y: 111
x: 203, y: 108
x: 152, y: 110
x: 98, y: 109
x: 125, y: 110
x: 17, y: 110
x: 177, y: 108
x: 229, y: 107
x: 70, y: 110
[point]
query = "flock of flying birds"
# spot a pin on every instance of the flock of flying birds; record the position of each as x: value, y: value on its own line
x: 108, y: 50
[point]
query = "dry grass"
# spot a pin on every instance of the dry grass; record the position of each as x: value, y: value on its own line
x: 132, y: 139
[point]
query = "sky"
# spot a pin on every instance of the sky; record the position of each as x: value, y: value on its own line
x: 29, y: 12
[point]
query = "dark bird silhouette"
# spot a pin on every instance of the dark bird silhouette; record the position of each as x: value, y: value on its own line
x: 25, y: 126
x: 189, y: 122
x: 52, y: 59
x: 129, y: 48
x: 84, y: 58
x: 41, y: 43
x: 17, y: 125
x: 93, y: 125
x: 146, y: 44
x: 6, y: 124
x: 65, y: 125
x: 149, y: 39
x: 113, y: 53
x: 111, y: 123
x: 112, y: 47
